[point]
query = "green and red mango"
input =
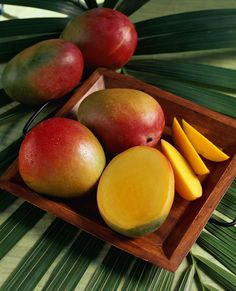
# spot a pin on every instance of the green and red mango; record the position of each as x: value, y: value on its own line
x: 47, y: 70
x: 122, y: 118
x: 106, y: 37
x: 61, y: 157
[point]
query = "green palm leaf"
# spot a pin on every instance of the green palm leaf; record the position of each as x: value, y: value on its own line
x: 69, y: 8
x: 18, y: 27
x: 6, y: 200
x: 218, y: 274
x: 110, y: 3
x: 206, y: 97
x: 129, y: 7
x: 187, y: 41
x: 187, y: 280
x: 27, y: 275
x: 91, y: 3
x: 74, y: 263
x: 4, y: 98
x: 204, y: 75
x: 10, y: 48
x: 107, y: 277
x: 11, y: 232
x: 186, y: 22
x: 221, y: 251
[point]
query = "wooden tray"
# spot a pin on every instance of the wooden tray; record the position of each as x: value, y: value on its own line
x: 169, y: 244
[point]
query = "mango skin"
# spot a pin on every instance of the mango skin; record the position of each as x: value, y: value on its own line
x: 61, y: 157
x: 122, y: 118
x: 106, y: 37
x: 45, y: 71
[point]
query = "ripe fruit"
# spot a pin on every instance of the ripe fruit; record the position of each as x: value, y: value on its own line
x: 105, y: 36
x: 136, y: 191
x: 61, y: 157
x: 186, y: 182
x: 187, y: 150
x: 47, y: 70
x: 122, y: 118
x: 202, y: 145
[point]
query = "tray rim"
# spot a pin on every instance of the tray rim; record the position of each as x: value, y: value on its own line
x: 171, y: 263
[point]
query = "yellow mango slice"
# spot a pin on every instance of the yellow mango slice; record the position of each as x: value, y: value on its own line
x: 187, y: 184
x: 136, y: 191
x: 187, y: 150
x: 202, y: 145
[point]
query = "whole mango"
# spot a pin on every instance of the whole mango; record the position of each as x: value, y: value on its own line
x: 106, y: 37
x: 61, y: 157
x: 122, y: 118
x: 47, y: 70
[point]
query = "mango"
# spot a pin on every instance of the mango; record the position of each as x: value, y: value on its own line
x: 122, y: 118
x: 106, y: 37
x: 186, y: 182
x: 136, y: 191
x: 203, y: 145
x: 45, y: 71
x: 61, y: 157
x: 187, y: 150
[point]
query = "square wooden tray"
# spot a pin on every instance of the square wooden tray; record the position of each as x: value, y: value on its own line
x: 169, y: 244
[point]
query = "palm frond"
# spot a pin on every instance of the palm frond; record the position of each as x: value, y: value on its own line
x: 187, y: 280
x: 129, y: 7
x: 91, y: 4
x: 141, y: 275
x: 10, y: 48
x: 69, y: 8
x: 187, y: 41
x: 74, y: 263
x: 205, y: 20
x: 27, y: 215
x: 4, y: 98
x: 110, y: 3
x: 6, y: 200
x: 14, y: 112
x: 32, y: 26
x: 223, y: 277
x: 106, y: 277
x: 222, y: 252
x: 214, y: 100
x: 225, y: 234
x: 40, y: 256
x: 204, y: 75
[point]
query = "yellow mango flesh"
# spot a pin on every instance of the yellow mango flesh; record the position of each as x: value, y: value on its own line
x: 187, y: 150
x: 202, y: 145
x: 136, y: 191
x: 186, y: 182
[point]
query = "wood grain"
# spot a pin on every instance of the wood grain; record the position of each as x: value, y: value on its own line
x: 172, y: 241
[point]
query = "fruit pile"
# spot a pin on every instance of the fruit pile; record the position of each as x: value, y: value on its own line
x: 66, y: 158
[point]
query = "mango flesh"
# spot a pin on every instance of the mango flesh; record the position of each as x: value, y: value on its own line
x: 187, y: 150
x: 61, y: 157
x: 136, y: 191
x: 122, y: 118
x: 186, y: 182
x: 45, y: 71
x: 105, y: 36
x: 202, y: 145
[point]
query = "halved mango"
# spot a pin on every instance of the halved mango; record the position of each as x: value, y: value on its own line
x: 187, y: 150
x: 136, y: 191
x: 202, y: 145
x: 186, y: 182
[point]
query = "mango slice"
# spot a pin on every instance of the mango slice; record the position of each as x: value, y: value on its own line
x: 202, y: 145
x: 136, y: 191
x: 186, y: 182
x: 187, y: 150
